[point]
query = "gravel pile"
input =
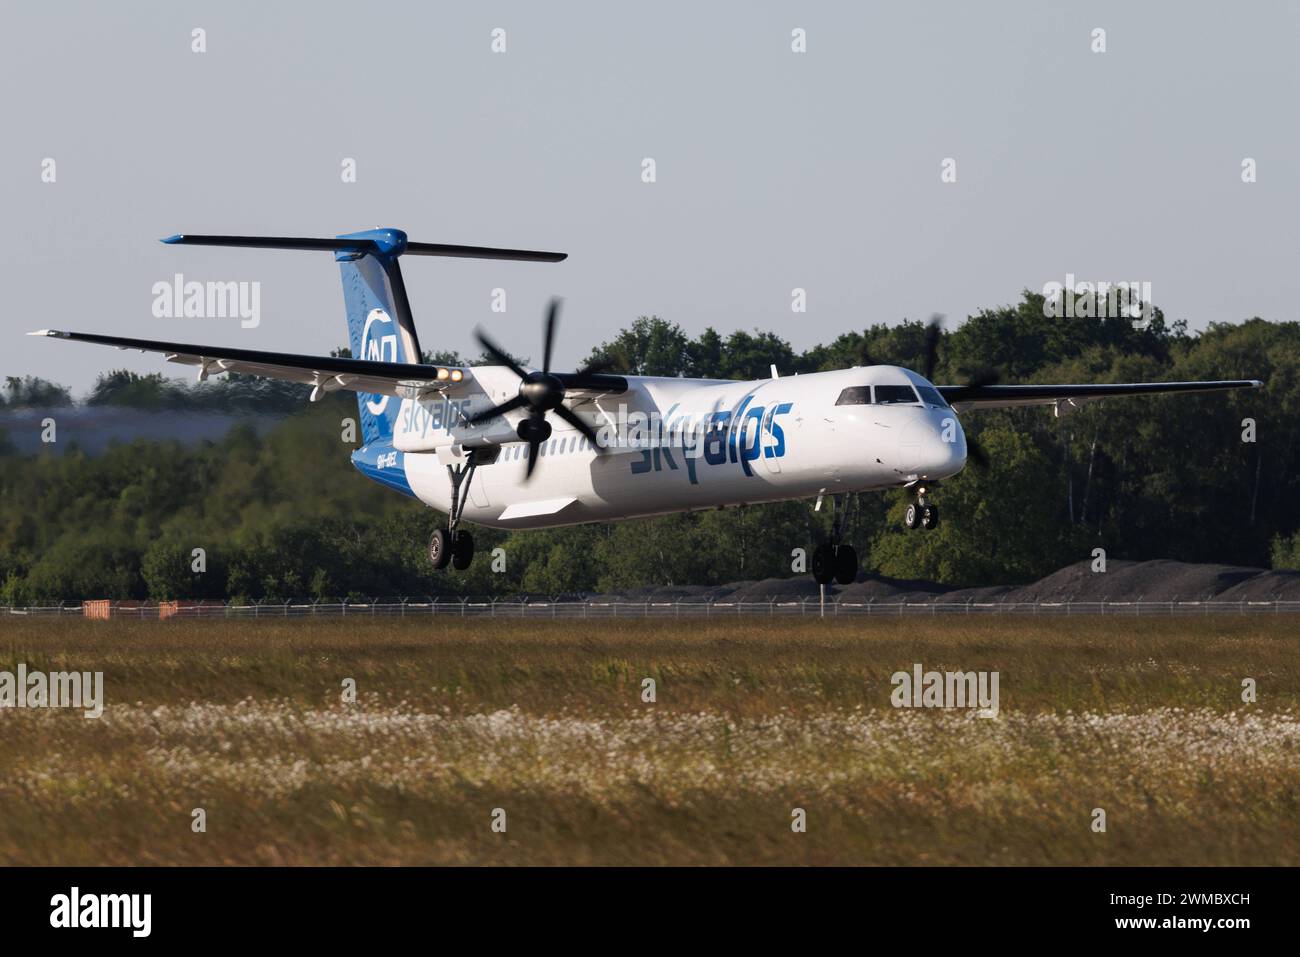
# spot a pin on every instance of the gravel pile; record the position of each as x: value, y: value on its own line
x: 1157, y: 580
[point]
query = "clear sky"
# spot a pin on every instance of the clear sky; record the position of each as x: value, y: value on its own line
x: 775, y: 169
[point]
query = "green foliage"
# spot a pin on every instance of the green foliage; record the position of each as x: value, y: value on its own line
x: 167, y: 567
x: 655, y: 347
x: 650, y: 346
x: 991, y: 531
x: 32, y: 392
x: 1286, y: 552
x: 284, y: 514
x: 230, y: 393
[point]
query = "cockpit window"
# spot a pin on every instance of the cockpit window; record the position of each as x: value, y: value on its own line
x: 895, y: 395
x: 931, y: 396
x: 855, y: 395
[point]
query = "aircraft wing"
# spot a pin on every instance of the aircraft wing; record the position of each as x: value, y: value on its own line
x: 1064, y: 397
x: 324, y: 373
x: 330, y: 373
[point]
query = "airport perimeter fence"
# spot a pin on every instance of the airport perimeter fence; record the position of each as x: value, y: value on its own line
x: 796, y: 607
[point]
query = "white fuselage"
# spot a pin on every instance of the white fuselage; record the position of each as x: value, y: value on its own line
x: 682, y: 444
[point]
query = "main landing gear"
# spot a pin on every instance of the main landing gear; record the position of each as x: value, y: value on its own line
x: 921, y: 513
x: 833, y: 560
x: 452, y: 545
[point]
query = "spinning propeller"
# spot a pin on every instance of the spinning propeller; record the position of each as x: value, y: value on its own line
x: 541, y: 392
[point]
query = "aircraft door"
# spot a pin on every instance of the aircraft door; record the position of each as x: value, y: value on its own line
x: 768, y: 440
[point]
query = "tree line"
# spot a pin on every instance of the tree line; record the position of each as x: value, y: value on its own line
x: 1193, y: 478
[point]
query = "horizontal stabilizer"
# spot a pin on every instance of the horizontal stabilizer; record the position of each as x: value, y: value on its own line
x: 390, y: 242
x: 483, y: 252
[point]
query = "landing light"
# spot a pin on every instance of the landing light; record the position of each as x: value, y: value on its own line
x: 442, y: 374
x: 457, y: 375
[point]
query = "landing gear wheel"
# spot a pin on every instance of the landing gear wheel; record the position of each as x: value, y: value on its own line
x: 846, y: 564
x: 930, y: 517
x: 912, y: 517
x: 462, y: 551
x: 823, y: 565
x: 439, y: 548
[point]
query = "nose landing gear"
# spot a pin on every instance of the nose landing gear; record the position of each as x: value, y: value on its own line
x: 921, y: 512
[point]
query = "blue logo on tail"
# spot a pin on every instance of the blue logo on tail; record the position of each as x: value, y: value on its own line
x: 379, y: 343
x: 374, y: 332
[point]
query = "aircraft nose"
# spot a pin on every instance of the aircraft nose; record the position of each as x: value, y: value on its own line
x: 934, y: 448
x: 947, y: 449
x: 944, y: 454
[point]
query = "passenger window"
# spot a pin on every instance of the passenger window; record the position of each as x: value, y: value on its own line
x: 855, y: 395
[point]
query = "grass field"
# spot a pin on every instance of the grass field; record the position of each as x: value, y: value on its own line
x: 753, y: 718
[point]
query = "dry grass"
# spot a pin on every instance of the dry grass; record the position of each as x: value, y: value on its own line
x: 1140, y: 717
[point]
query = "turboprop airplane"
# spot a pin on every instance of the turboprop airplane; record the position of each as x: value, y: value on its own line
x: 470, y: 441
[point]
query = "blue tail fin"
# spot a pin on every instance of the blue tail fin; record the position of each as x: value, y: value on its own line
x: 379, y: 314
x: 380, y: 326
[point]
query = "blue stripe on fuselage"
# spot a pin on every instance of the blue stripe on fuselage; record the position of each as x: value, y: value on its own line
x: 380, y: 462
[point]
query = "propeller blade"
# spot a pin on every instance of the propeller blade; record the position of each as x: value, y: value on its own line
x: 933, y: 331
x: 552, y: 316
x: 499, y: 354
x: 507, y: 406
x: 593, y: 376
x: 568, y: 415
x: 975, y: 454
x: 534, y: 443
